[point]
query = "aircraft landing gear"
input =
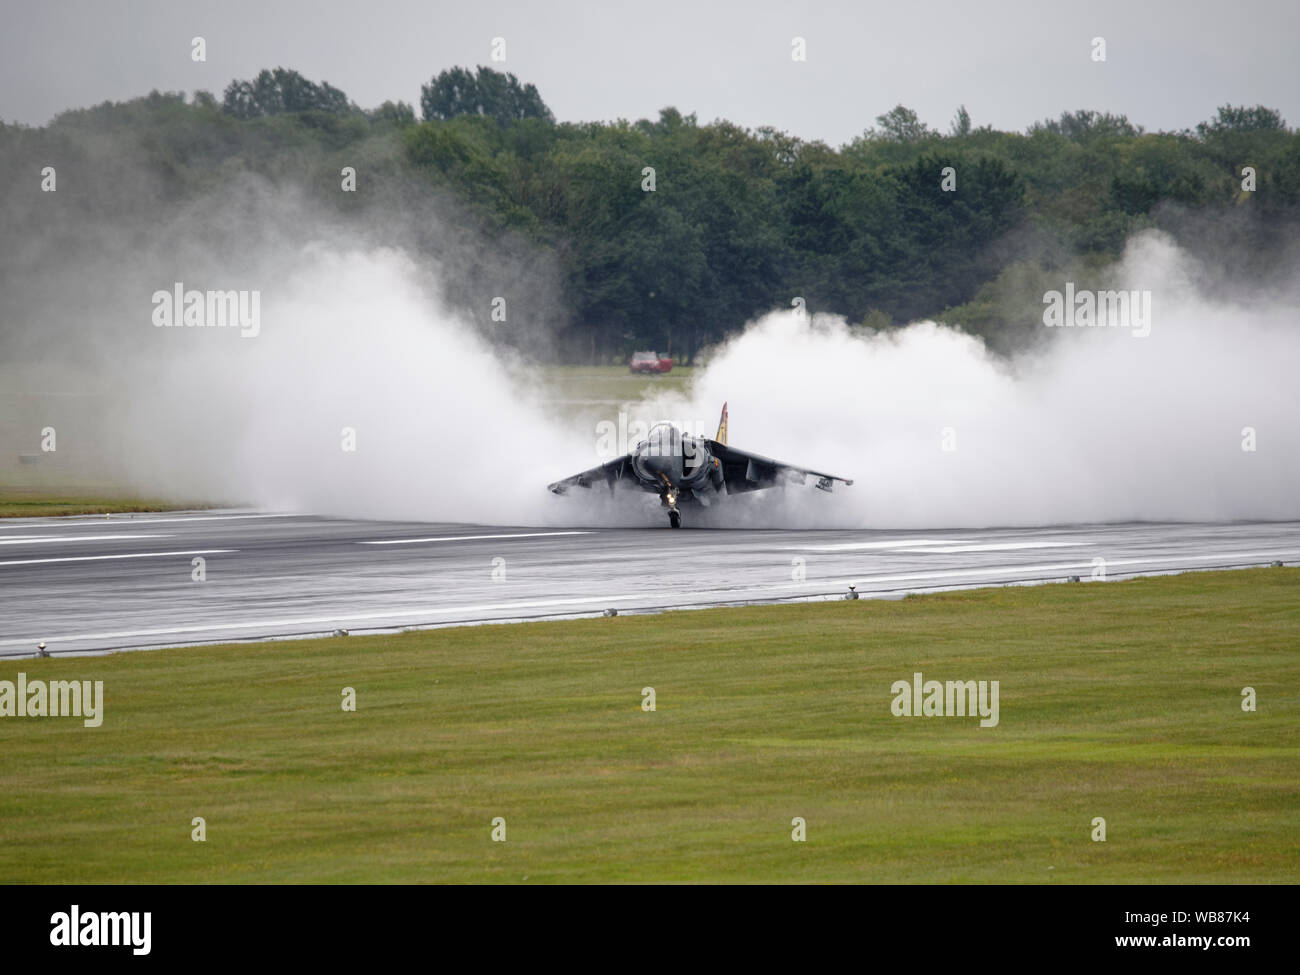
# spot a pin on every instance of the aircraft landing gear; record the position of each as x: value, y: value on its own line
x: 669, y: 500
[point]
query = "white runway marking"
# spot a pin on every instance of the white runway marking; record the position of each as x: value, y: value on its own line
x: 41, y: 540
x: 990, y: 547
x: 133, y: 555
x: 469, y: 538
x: 868, y: 546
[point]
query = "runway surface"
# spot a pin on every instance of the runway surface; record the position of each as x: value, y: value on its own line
x: 96, y: 584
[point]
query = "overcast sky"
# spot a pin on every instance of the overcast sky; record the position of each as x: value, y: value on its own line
x: 1169, y: 63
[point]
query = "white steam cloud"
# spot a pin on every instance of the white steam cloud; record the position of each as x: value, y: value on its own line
x: 1094, y: 426
x: 360, y: 397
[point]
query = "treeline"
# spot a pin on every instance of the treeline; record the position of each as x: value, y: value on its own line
x: 670, y: 234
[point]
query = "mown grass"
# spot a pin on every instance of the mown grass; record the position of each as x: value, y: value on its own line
x: 1119, y: 700
x: 22, y: 504
x: 612, y: 382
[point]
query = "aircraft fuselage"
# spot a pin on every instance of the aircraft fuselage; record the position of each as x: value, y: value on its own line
x: 678, y: 467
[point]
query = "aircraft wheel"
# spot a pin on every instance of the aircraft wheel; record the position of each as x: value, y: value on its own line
x: 675, y: 518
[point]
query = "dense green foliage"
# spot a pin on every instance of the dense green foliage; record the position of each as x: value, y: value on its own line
x: 738, y: 221
x: 280, y: 91
x: 458, y: 91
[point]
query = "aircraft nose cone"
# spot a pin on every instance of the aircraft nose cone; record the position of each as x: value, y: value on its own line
x: 670, y: 467
x: 661, y: 453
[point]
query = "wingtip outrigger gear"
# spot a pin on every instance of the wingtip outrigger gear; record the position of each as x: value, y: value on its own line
x: 826, y: 482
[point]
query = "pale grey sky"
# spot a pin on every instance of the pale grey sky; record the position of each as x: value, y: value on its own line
x: 1011, y: 62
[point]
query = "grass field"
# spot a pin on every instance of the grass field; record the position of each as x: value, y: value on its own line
x: 18, y: 503
x: 1119, y: 700
x: 613, y: 383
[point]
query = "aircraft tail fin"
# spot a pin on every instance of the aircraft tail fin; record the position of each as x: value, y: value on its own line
x: 722, y: 426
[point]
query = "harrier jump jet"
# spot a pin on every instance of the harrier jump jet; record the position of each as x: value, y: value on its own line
x: 692, y: 470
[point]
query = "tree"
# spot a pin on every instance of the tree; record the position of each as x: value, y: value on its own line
x: 901, y: 124
x: 945, y: 239
x: 279, y: 91
x: 1233, y: 119
x: 960, y: 123
x: 398, y: 112
x: 486, y: 92
x: 1084, y: 126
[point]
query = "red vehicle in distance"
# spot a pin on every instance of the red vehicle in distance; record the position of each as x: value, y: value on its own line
x: 650, y: 362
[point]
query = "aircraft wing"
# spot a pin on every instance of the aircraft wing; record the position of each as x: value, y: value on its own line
x: 744, y: 471
x: 609, y: 473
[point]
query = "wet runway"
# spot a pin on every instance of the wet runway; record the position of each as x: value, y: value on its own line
x: 96, y: 584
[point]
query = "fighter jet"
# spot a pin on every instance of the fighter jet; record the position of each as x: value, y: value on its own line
x: 692, y: 470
